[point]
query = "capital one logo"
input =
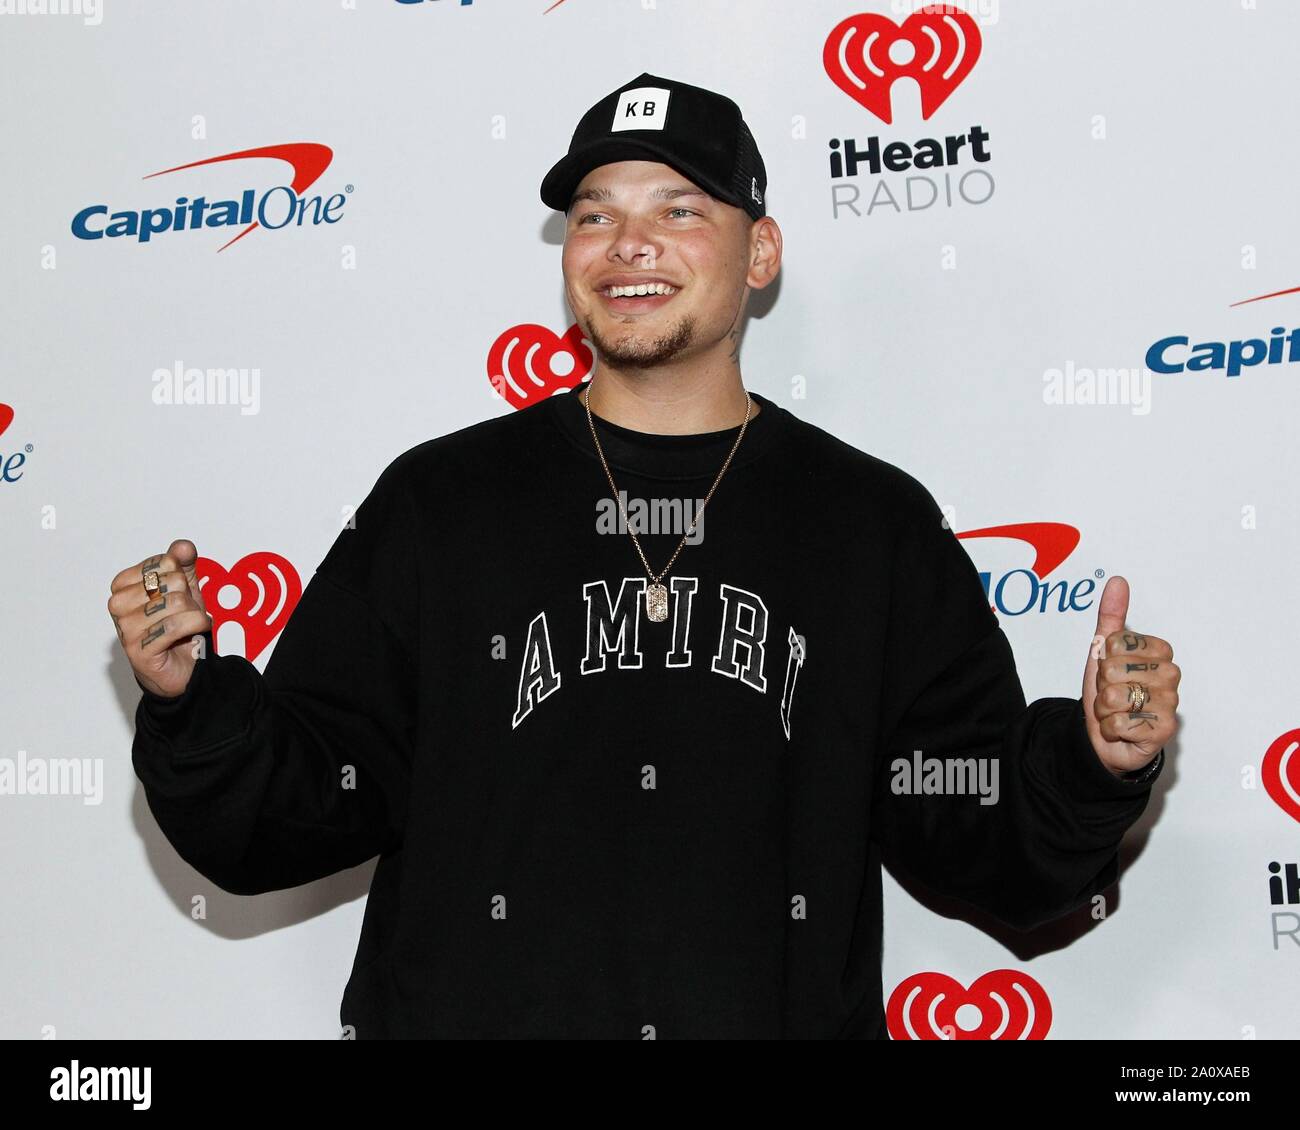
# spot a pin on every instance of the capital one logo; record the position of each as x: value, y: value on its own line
x: 259, y: 593
x: 279, y: 207
x: 11, y: 464
x: 1005, y: 1004
x: 867, y: 53
x: 528, y: 363
x: 1280, y: 772
x: 1017, y: 591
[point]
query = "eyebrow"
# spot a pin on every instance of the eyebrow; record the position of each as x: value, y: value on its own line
x: 663, y: 192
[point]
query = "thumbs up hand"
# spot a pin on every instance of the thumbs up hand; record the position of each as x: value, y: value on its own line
x: 1126, y: 732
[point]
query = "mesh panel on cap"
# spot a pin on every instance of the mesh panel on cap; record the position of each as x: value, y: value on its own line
x: 749, y: 164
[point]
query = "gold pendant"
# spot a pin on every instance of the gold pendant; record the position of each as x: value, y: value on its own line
x: 656, y: 603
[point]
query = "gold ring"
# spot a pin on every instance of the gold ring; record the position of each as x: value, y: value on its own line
x: 151, y: 582
x: 1137, y: 697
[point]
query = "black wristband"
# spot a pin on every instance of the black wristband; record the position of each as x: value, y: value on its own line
x: 1147, y: 772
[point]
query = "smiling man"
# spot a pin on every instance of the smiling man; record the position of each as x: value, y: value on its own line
x: 666, y: 338
x: 665, y: 239
x: 623, y: 783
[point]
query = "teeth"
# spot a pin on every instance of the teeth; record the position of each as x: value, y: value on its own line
x: 642, y: 289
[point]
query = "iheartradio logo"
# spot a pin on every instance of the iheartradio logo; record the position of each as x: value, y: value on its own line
x: 1002, y: 1005
x: 259, y: 593
x: 528, y: 363
x: 936, y: 47
x: 1281, y: 773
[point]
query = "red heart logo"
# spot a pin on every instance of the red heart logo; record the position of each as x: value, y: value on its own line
x: 1281, y: 773
x: 6, y: 417
x: 267, y: 589
x: 865, y: 54
x: 1011, y: 1005
x: 528, y: 363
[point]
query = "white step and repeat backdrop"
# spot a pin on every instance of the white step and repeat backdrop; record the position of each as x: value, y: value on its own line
x: 1056, y: 280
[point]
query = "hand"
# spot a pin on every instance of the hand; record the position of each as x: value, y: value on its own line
x: 1127, y: 741
x: 155, y: 631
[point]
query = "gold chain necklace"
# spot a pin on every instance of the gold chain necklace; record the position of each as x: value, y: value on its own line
x: 656, y: 595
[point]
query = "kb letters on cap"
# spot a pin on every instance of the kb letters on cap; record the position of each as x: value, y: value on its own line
x: 643, y: 108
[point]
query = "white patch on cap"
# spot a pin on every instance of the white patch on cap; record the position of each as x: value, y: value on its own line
x: 643, y: 108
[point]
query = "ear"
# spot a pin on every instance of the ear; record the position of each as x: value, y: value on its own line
x: 764, y: 252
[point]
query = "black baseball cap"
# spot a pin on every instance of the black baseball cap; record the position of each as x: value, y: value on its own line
x: 695, y: 131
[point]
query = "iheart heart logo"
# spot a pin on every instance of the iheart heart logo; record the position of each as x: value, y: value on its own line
x: 528, y: 363
x: 866, y: 54
x: 1010, y: 1005
x: 265, y: 592
x: 6, y: 417
x: 1281, y: 773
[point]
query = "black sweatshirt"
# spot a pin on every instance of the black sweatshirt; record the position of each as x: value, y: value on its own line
x: 594, y: 825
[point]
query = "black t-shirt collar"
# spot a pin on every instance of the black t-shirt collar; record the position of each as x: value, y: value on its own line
x: 697, y: 455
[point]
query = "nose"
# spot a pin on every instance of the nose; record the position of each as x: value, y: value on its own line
x: 636, y: 241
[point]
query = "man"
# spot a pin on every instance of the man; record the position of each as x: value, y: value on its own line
x: 629, y: 782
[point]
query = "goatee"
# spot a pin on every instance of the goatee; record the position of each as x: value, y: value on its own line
x: 633, y: 352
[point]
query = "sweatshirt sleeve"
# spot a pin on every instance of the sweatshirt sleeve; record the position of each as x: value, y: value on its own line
x: 1051, y: 840
x: 262, y: 782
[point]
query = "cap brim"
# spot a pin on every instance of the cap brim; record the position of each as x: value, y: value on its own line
x: 559, y: 185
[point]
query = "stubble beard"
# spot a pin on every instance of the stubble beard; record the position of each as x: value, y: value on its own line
x: 631, y: 351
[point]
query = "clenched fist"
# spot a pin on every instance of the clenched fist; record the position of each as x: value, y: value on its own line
x: 155, y: 629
